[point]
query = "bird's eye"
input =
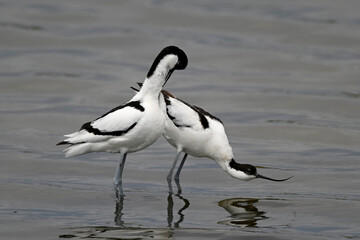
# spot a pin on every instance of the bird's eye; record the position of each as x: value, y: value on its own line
x: 250, y: 170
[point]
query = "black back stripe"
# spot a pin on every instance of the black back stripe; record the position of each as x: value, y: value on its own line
x: 87, y: 126
x: 134, y: 104
x: 167, y: 101
x: 199, y: 109
x: 202, y: 113
x: 204, y: 122
x: 62, y: 143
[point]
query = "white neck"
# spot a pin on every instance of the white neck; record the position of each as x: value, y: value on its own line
x: 238, y: 174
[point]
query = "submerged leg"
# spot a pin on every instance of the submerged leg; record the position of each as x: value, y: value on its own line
x: 119, y: 212
x: 118, y: 176
x: 177, y: 175
x: 169, y: 176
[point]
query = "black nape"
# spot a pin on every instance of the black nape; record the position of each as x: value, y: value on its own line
x: 182, y: 59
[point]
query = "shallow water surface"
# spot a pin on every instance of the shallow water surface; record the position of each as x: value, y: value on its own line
x: 283, y: 77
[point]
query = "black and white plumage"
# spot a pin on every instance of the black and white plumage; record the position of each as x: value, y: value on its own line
x: 194, y: 131
x: 134, y: 125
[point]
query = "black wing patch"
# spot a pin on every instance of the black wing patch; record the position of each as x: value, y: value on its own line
x: 134, y: 104
x: 167, y: 101
x: 203, y: 120
x: 62, y: 143
x: 87, y: 126
x: 201, y: 112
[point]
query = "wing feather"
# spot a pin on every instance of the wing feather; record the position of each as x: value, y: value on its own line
x: 117, y: 121
x: 182, y: 114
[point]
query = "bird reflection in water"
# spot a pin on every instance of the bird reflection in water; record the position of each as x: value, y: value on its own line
x: 119, y: 211
x: 170, y: 211
x: 243, y: 212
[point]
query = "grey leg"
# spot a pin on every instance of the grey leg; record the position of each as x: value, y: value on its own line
x: 169, y: 176
x: 118, y: 176
x: 177, y: 175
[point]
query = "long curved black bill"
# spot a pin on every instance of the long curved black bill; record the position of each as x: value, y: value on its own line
x: 168, y: 76
x: 271, y: 179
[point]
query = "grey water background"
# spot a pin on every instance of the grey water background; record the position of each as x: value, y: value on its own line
x: 284, y: 77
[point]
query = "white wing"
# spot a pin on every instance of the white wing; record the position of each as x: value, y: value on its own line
x: 184, y: 115
x: 117, y: 120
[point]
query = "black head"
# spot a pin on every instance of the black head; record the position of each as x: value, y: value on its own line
x: 170, y: 50
x: 251, y: 171
x: 246, y: 168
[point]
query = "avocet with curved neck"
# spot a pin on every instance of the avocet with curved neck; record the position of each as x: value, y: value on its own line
x: 134, y: 125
